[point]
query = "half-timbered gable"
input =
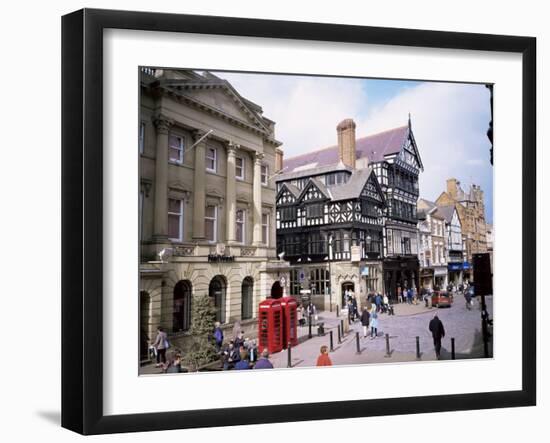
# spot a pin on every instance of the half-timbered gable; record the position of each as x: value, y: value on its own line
x: 286, y: 202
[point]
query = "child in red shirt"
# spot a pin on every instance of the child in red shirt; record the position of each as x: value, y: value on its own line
x: 324, y: 359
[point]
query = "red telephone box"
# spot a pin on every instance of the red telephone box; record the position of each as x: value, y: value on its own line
x: 290, y: 321
x: 270, y: 322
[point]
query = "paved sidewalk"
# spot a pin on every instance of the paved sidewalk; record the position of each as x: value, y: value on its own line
x: 410, y: 321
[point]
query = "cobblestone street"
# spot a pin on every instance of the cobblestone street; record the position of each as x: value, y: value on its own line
x: 410, y: 321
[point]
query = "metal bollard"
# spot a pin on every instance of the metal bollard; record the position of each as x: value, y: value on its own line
x: 309, y: 327
x: 339, y: 335
x: 357, y: 343
x: 337, y: 311
x: 388, y: 354
x: 452, y: 348
x: 331, y: 342
x: 417, y: 347
x: 289, y: 356
x: 342, y: 326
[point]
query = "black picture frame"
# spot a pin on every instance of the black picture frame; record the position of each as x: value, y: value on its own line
x: 82, y: 190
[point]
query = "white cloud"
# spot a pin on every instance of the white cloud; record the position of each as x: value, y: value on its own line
x: 449, y: 121
x: 306, y: 109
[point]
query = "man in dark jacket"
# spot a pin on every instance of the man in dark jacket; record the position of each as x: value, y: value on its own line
x: 438, y: 332
x: 365, y: 316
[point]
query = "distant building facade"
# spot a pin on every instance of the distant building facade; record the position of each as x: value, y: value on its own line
x: 471, y: 211
x: 432, y: 231
x: 207, y: 200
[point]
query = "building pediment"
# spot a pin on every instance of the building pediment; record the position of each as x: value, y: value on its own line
x: 218, y: 97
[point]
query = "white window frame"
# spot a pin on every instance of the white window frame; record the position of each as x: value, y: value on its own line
x: 266, y: 175
x: 215, y: 158
x: 180, y: 215
x: 243, y: 225
x: 141, y: 137
x: 243, y: 173
x: 266, y: 225
x: 181, y: 148
x: 215, y: 219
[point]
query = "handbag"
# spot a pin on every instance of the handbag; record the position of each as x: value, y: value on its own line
x: 166, y: 343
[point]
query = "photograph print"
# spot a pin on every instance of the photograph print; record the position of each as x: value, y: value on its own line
x: 298, y: 221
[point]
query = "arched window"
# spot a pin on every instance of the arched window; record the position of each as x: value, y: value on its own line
x: 181, y: 317
x: 246, y: 298
x: 217, y: 290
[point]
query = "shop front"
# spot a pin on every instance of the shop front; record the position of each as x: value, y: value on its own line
x: 426, y: 278
x: 440, y: 278
x: 455, y: 273
x: 399, y: 273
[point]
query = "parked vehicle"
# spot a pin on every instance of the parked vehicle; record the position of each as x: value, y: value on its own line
x: 441, y: 299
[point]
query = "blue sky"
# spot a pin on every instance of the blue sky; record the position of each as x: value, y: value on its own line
x: 449, y: 120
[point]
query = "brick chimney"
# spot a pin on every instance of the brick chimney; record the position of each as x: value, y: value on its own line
x: 346, y: 142
x: 278, y: 159
x: 452, y: 187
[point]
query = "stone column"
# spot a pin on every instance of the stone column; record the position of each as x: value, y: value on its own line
x: 160, y: 223
x: 230, y: 194
x: 199, y: 187
x: 257, y: 196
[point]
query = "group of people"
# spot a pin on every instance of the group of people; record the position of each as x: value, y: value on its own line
x: 369, y: 318
x: 240, y: 352
x: 381, y: 302
x: 408, y: 295
x: 306, y: 314
x: 351, y: 304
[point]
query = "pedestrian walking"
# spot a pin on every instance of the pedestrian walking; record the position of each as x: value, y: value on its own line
x: 378, y: 302
x: 354, y: 307
x: 386, y: 302
x: 374, y: 324
x: 218, y: 336
x: 324, y: 359
x: 365, y: 317
x: 161, y: 344
x: 468, y: 299
x: 300, y: 315
x: 349, y: 305
x: 263, y: 362
x: 438, y: 332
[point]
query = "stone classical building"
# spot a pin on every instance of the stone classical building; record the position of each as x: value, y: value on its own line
x: 471, y: 211
x: 348, y: 172
x: 207, y: 201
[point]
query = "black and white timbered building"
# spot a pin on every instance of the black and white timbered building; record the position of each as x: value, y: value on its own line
x: 346, y: 215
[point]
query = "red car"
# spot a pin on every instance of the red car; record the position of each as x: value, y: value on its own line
x: 441, y: 299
